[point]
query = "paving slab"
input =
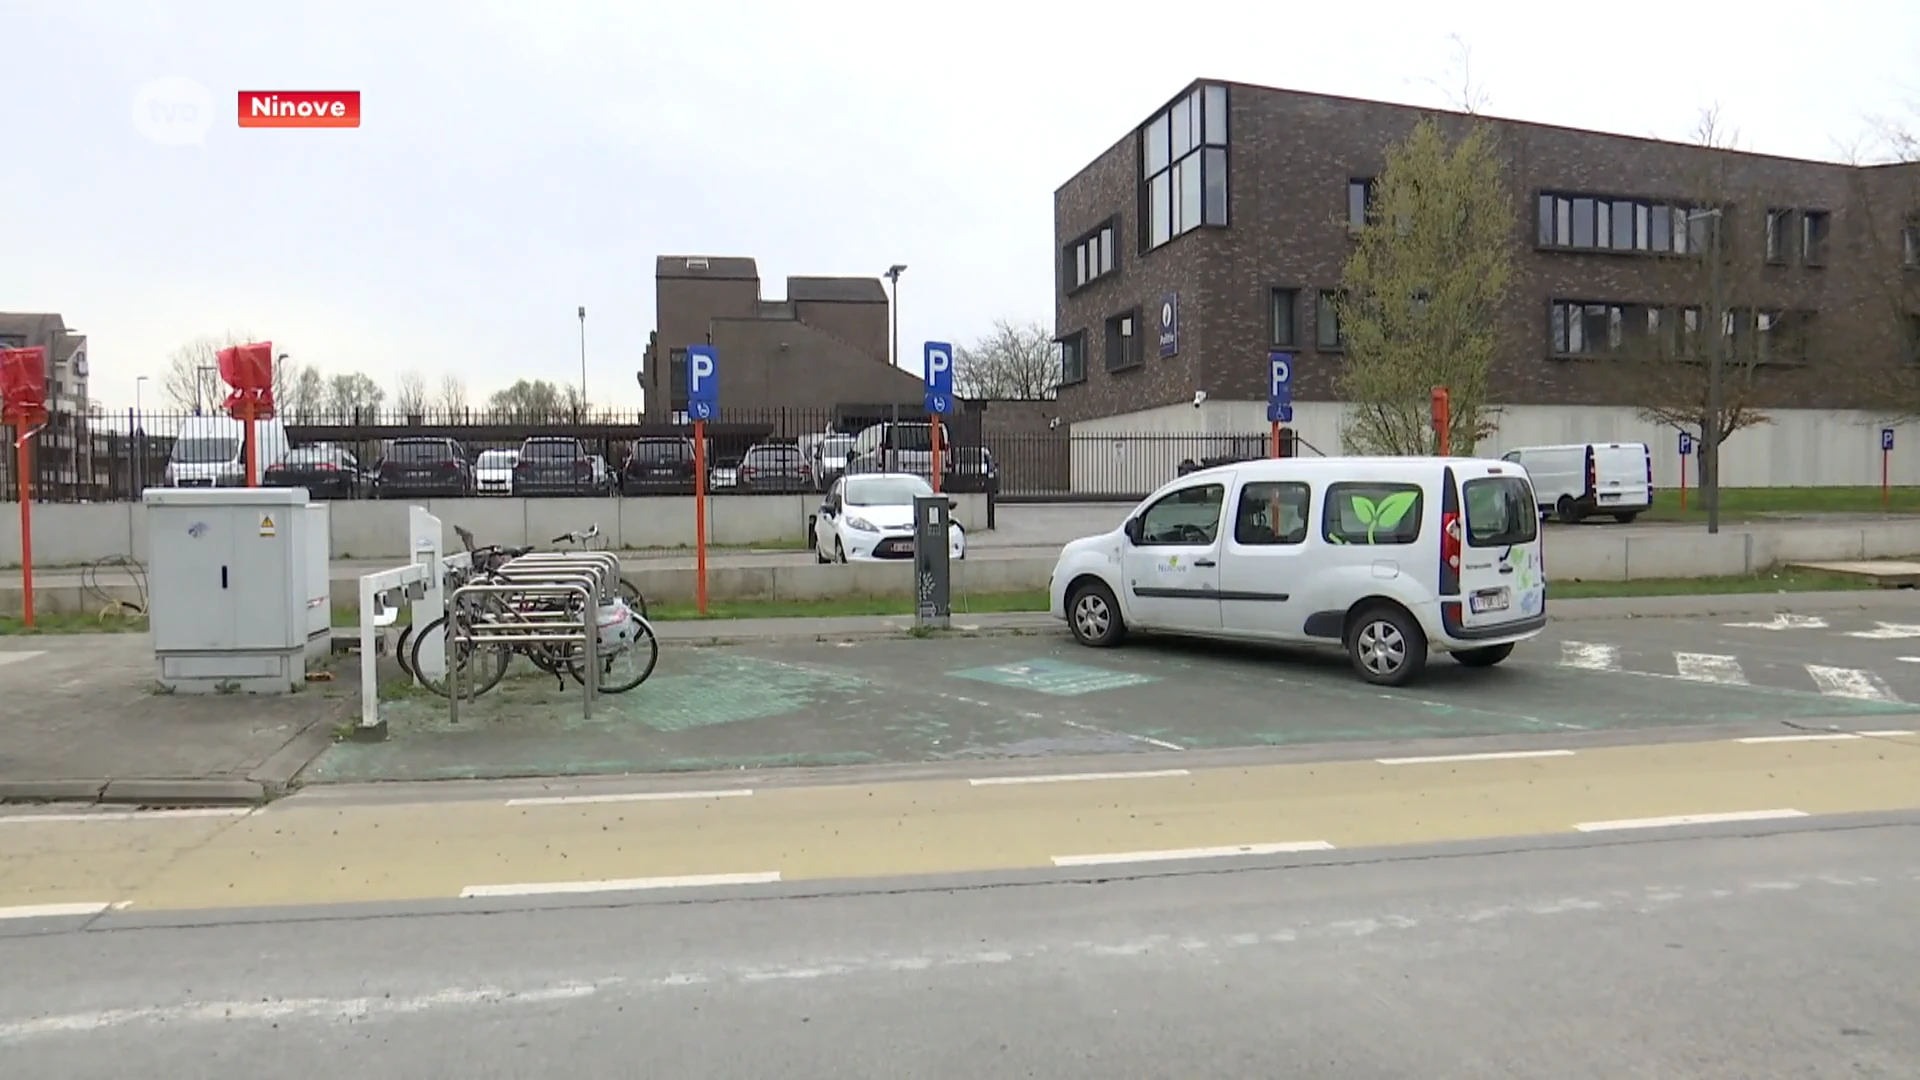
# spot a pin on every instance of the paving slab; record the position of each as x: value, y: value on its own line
x: 900, y: 700
x: 83, y: 720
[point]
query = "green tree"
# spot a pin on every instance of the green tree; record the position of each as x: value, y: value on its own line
x: 351, y: 393
x: 1422, y: 289
x: 537, y: 401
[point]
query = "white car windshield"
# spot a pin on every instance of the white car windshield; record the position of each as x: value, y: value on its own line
x: 886, y: 491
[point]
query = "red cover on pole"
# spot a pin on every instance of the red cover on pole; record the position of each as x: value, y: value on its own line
x: 249, y: 370
x: 23, y: 385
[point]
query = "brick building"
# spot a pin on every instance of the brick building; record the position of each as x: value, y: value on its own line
x: 1218, y: 229
x: 821, y: 348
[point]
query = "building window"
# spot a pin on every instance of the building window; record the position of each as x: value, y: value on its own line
x: 1781, y: 337
x: 1326, y: 318
x: 1073, y: 358
x: 677, y: 380
x: 1612, y: 223
x: 1123, y: 341
x: 1779, y: 235
x: 1913, y: 338
x: 1090, y: 258
x: 1286, y: 305
x: 1910, y: 244
x: 1814, y: 228
x: 1183, y: 167
x: 1586, y: 328
x: 1362, y: 195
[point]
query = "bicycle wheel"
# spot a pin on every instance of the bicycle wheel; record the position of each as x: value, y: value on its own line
x: 631, y: 594
x: 401, y: 654
x: 636, y: 662
x: 481, y: 667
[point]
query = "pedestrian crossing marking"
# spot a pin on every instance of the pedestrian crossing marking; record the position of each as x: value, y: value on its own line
x: 1590, y: 656
x: 1706, y: 667
x: 1850, y: 683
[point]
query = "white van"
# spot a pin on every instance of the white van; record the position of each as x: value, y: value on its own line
x: 1574, y: 481
x: 1387, y: 558
x: 211, y: 451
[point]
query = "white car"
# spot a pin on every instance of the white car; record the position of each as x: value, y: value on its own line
x: 869, y: 518
x: 493, y: 472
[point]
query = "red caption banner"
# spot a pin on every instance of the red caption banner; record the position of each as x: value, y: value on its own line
x: 299, y: 108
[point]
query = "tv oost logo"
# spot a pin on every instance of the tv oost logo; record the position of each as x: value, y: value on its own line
x: 173, y: 111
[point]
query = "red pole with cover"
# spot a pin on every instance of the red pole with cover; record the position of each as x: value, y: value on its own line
x: 23, y: 404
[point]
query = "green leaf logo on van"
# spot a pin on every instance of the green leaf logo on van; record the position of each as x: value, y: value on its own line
x: 1385, y: 514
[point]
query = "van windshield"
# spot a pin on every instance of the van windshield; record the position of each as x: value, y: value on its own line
x: 1500, y: 512
x: 891, y: 491
x: 205, y: 450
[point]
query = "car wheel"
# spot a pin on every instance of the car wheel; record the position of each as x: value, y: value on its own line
x: 1094, y: 616
x: 1626, y: 518
x: 1387, y: 647
x: 1484, y: 657
x: 1565, y: 509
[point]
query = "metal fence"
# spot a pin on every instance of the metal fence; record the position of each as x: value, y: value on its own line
x: 104, y: 457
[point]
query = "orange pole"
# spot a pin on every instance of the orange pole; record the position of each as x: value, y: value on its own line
x: 253, y: 449
x: 1276, y: 438
x: 1443, y: 420
x: 700, y: 514
x: 1884, y: 456
x: 24, y: 460
x: 1683, y: 483
x: 934, y: 427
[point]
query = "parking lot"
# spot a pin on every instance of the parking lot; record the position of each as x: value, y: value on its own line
x: 939, y: 699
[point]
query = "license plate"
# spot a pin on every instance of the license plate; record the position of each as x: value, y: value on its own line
x: 1611, y: 496
x: 1488, y: 600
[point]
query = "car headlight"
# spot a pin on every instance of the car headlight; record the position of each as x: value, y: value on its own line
x: 860, y: 524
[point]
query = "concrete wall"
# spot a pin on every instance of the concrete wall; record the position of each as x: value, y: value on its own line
x: 1800, y: 448
x: 1596, y: 553
x: 72, y: 534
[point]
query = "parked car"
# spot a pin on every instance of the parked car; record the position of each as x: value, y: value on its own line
x: 211, y: 451
x: 869, y: 518
x: 723, y: 475
x: 827, y: 459
x: 421, y: 467
x: 493, y: 472
x: 658, y: 466
x: 1581, y: 479
x: 550, y: 465
x: 895, y: 446
x: 1387, y: 558
x: 326, y: 471
x: 774, y: 467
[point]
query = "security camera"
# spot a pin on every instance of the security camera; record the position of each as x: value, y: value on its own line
x: 1199, y: 396
x: 1053, y: 422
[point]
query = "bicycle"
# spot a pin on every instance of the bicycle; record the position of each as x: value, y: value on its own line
x: 589, y: 540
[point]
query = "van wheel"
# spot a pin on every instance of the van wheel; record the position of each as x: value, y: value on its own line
x: 1486, y: 657
x: 1626, y: 518
x: 1565, y: 509
x: 1387, y: 647
x: 1095, y: 617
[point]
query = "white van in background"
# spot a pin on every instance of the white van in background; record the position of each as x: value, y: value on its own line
x: 1386, y: 558
x: 211, y: 451
x: 1581, y: 479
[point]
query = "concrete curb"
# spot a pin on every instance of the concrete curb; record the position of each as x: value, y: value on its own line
x: 135, y: 792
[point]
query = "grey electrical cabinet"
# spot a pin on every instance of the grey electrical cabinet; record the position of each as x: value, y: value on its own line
x: 237, y: 587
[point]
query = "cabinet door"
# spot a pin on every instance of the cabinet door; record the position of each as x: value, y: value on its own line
x: 190, y: 586
x: 266, y: 582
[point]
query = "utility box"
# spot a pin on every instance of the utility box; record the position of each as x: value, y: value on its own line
x: 238, y: 589
x: 932, y: 568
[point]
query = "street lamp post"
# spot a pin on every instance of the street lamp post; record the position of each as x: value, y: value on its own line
x: 583, y: 356
x: 138, y: 436
x: 202, y: 384
x: 1710, y: 427
x: 893, y: 307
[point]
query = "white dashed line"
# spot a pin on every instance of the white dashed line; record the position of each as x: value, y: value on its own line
x: 1836, y: 736
x: 631, y: 796
x: 1508, y: 755
x: 1178, y: 854
x: 1067, y: 778
x: 547, y: 888
x: 1689, y: 819
x: 53, y: 911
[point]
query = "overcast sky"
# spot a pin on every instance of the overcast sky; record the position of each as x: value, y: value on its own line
x: 520, y: 159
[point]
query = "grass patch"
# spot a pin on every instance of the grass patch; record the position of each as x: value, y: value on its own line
x: 1768, y: 581
x: 1761, y: 504
x: 91, y: 623
x: 975, y: 604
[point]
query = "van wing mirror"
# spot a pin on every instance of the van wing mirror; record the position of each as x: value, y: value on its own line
x: 1132, y: 529
x: 953, y: 504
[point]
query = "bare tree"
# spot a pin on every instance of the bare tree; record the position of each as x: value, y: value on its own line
x: 1016, y: 361
x: 1421, y: 292
x: 305, y: 398
x: 351, y: 393
x: 410, y: 394
x: 1457, y: 84
x: 192, y: 378
x: 452, y: 399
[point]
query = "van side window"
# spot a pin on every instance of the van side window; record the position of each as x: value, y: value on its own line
x: 1500, y: 511
x: 1272, y: 513
x: 1511, y: 455
x: 1371, y: 514
x: 1188, y: 517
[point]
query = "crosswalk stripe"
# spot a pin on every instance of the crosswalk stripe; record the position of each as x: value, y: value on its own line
x: 1850, y: 683
x: 1706, y: 667
x: 1592, y: 657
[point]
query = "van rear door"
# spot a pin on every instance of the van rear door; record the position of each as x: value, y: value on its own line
x: 1500, y: 578
x: 1621, y: 477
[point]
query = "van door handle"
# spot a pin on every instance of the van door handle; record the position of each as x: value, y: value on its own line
x: 1507, y: 568
x: 1205, y: 562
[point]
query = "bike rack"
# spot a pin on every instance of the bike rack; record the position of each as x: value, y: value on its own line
x: 506, y: 624
x: 603, y: 567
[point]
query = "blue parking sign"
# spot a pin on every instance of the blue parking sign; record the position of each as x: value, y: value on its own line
x: 1279, y: 388
x: 1686, y: 443
x: 939, y: 377
x: 1886, y: 438
x: 703, y: 382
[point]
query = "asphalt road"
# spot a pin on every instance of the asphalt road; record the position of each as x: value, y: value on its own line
x: 1749, y: 956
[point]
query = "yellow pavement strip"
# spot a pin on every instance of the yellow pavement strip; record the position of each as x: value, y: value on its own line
x: 295, y: 853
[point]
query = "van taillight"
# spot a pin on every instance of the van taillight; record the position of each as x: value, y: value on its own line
x: 1649, y: 475
x: 1593, y: 472
x: 1450, y: 541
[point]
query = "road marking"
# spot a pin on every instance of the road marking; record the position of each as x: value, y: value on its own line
x: 1783, y: 621
x: 52, y: 911
x: 631, y: 796
x: 689, y: 881
x: 1689, y: 819
x: 1581, y: 654
x: 1148, y: 739
x: 1850, y: 683
x: 1833, y: 736
x: 1887, y: 733
x: 16, y: 657
x: 1507, y: 755
x: 1064, y: 778
x: 1191, y: 853
x: 131, y: 815
x: 1706, y: 667
x: 1886, y: 631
